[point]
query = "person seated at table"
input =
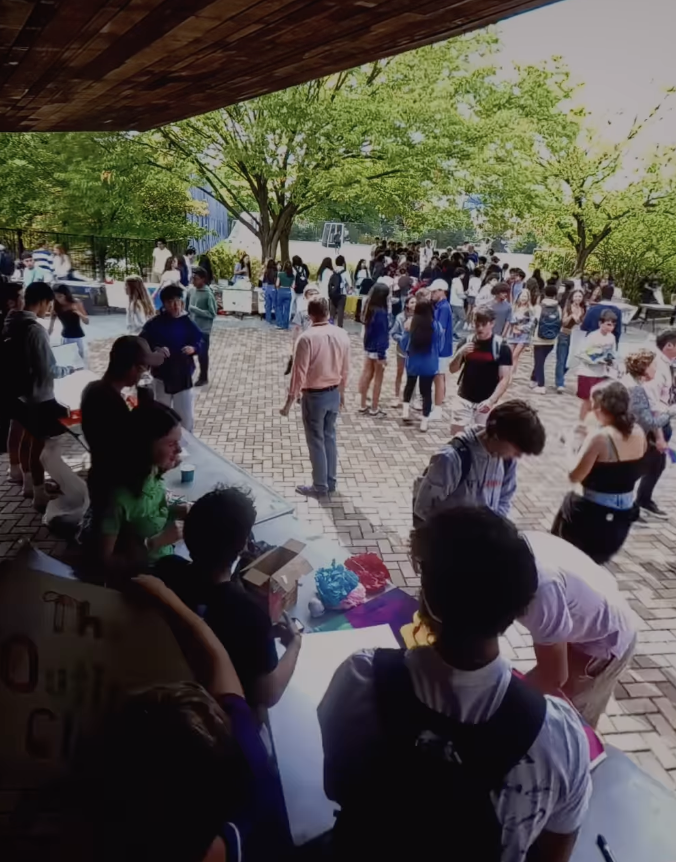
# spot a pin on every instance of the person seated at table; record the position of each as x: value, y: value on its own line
x: 175, y: 333
x: 138, y: 526
x: 584, y: 632
x: 483, y: 760
x: 178, y: 772
x: 216, y: 532
x: 106, y: 414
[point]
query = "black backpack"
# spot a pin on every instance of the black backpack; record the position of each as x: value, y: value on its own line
x: 549, y: 324
x: 336, y: 287
x: 426, y: 785
x: 6, y: 263
x: 301, y: 280
x: 15, y: 356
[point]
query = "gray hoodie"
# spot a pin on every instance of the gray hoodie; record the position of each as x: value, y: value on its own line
x: 40, y: 366
x: 491, y: 481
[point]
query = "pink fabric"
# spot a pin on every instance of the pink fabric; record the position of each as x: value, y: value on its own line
x: 321, y: 360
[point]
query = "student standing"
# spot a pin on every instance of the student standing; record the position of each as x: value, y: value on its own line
x: 339, y: 285
x: 161, y: 254
x: 269, y: 284
x: 285, y: 282
x: 520, y: 326
x: 457, y: 301
x: 547, y: 326
x: 321, y: 366
x: 597, y: 359
x: 44, y: 259
x: 592, y: 318
x: 202, y: 309
x: 608, y: 465
x: 173, y: 331
x: 641, y: 370
x: 422, y: 341
x: 473, y: 289
x: 71, y: 315
x: 397, y: 333
x: 301, y: 277
x: 30, y: 389
x: 389, y: 717
x: 140, y: 308
x: 486, y: 363
x: 573, y: 314
x: 478, y: 467
x: 376, y: 342
x: 485, y: 295
x: 501, y: 307
x: 324, y: 274
x: 584, y: 632
x: 443, y: 315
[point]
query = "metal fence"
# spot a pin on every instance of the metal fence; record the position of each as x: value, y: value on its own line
x: 364, y: 233
x: 94, y: 257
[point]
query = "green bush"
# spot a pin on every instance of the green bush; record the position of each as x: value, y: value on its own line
x: 224, y: 257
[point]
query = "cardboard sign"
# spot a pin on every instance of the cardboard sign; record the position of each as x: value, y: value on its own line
x: 273, y: 577
x: 68, y: 652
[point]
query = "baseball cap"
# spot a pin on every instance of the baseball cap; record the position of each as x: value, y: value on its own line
x: 439, y: 284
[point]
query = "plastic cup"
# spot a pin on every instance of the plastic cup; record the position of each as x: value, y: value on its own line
x: 187, y: 473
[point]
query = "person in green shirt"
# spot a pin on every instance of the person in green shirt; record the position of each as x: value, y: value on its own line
x: 139, y: 526
x: 202, y: 309
x: 285, y: 281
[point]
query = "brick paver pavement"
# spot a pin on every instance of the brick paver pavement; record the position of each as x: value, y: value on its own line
x: 238, y: 415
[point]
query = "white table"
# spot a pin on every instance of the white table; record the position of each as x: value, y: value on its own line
x: 68, y: 390
x: 211, y: 469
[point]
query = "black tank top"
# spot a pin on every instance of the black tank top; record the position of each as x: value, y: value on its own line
x: 71, y: 323
x: 613, y: 477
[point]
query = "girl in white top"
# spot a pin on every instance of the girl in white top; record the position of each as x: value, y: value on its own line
x: 457, y: 302
x: 324, y: 274
x: 140, y: 308
x: 171, y: 274
x: 62, y: 263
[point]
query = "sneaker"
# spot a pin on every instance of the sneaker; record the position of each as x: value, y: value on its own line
x: 14, y: 474
x: 363, y: 409
x: 201, y: 382
x: 539, y: 390
x: 436, y: 414
x: 416, y: 404
x: 395, y: 403
x: 560, y: 389
x: 532, y: 384
x: 423, y: 424
x: 311, y: 491
x: 378, y: 412
x: 406, y: 412
x: 651, y: 508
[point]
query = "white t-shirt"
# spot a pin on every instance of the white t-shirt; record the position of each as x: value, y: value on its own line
x: 549, y: 789
x: 457, y: 292
x: 136, y: 319
x: 596, y: 344
x: 160, y: 257
x: 577, y: 601
x: 474, y: 286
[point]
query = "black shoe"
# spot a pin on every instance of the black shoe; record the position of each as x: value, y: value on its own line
x: 651, y: 508
x: 202, y: 382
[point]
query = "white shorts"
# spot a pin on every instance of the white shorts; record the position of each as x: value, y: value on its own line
x: 376, y: 357
x: 444, y: 362
x: 466, y: 413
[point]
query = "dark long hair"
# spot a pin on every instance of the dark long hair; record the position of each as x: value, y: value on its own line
x: 245, y: 263
x: 64, y: 290
x: 327, y: 263
x: 270, y: 274
x: 613, y: 399
x: 288, y: 268
x: 377, y: 299
x: 537, y: 275
x: 361, y: 265
x: 422, y: 327
x: 148, y: 424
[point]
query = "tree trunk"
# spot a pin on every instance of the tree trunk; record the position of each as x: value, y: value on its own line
x: 581, y: 258
x: 284, y: 244
x: 269, y: 243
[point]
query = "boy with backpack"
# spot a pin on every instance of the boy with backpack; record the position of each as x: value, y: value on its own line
x: 29, y: 387
x: 486, y: 363
x: 338, y: 287
x: 478, y: 467
x: 491, y: 769
x: 548, y: 320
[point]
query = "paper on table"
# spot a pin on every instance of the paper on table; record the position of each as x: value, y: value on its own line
x: 295, y: 727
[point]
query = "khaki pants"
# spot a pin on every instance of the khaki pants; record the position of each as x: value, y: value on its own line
x: 591, y: 681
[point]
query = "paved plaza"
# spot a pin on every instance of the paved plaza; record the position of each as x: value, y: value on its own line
x: 238, y: 416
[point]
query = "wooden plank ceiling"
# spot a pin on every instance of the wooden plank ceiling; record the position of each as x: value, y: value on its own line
x: 80, y: 65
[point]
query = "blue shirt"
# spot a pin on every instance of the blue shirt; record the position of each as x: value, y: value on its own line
x: 592, y: 318
x: 444, y: 317
x: 423, y: 364
x: 175, y: 333
x: 377, y: 334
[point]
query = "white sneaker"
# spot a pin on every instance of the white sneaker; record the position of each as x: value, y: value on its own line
x: 405, y: 411
x: 560, y: 389
x: 532, y: 384
x: 423, y: 424
x: 539, y: 390
x: 436, y: 414
x: 395, y: 403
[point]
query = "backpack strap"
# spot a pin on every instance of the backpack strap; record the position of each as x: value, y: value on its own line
x: 489, y: 749
x: 465, y: 454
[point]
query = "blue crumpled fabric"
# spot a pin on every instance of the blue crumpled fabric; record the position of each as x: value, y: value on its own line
x: 334, y: 583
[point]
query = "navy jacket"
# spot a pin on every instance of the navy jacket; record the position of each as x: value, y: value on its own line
x: 377, y: 334
x: 175, y: 333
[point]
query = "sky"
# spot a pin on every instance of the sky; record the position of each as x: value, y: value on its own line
x: 624, y: 51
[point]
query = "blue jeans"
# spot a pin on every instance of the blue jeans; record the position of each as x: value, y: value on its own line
x: 562, y: 350
x: 270, y: 295
x: 320, y: 410
x: 283, y: 307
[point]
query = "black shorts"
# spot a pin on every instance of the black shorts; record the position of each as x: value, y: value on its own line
x: 41, y: 420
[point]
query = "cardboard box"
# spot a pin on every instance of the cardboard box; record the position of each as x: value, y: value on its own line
x: 273, y: 577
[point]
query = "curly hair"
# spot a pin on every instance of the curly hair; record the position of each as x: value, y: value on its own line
x: 639, y: 362
x: 613, y: 398
x: 517, y: 423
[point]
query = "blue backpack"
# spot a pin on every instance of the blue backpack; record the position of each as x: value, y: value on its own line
x: 549, y: 324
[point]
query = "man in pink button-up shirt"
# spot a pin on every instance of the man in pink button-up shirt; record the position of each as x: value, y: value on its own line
x: 321, y: 366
